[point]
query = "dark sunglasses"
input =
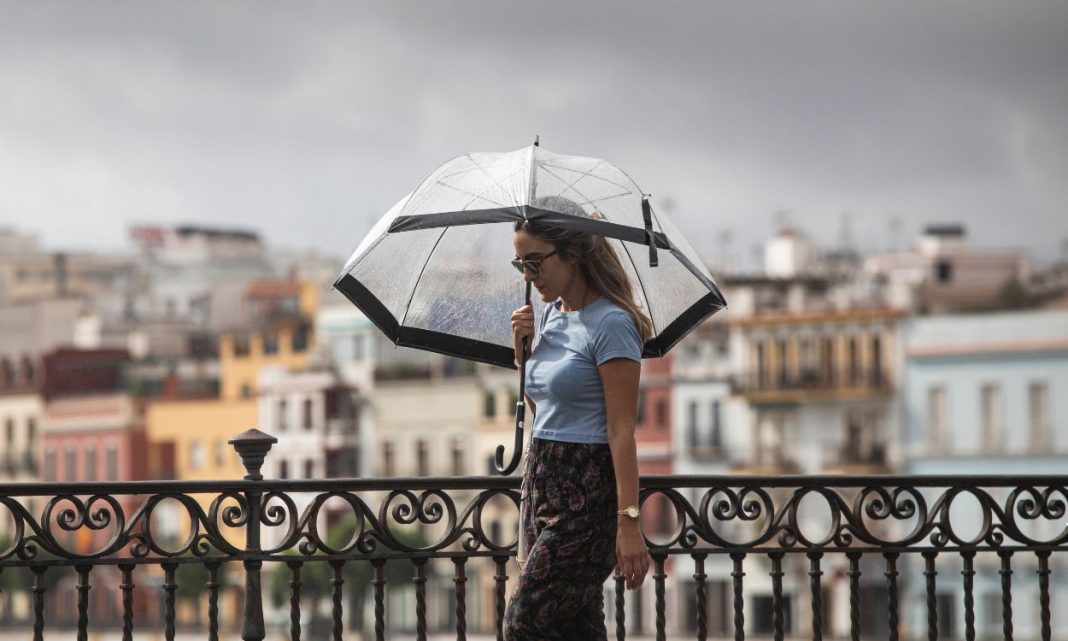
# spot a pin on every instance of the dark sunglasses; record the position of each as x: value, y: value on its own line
x: 533, y: 264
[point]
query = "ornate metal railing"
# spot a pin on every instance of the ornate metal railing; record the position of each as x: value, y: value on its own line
x: 811, y: 557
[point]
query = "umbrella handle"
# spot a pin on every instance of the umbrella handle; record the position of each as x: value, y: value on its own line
x: 520, y: 412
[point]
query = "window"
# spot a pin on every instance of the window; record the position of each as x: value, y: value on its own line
x: 50, y: 465
x: 196, y: 455
x: 691, y: 424
x: 357, y: 348
x: 283, y: 469
x: 784, y: 375
x: 70, y: 462
x: 246, y: 390
x: 112, y: 463
x: 990, y: 399
x: 936, y: 417
x: 854, y: 361
x: 309, y: 469
x: 29, y: 372
x: 422, y: 456
x: 220, y: 454
x: 270, y: 344
x: 810, y: 363
x: 1038, y: 412
x: 387, y: 458
x: 283, y: 409
x: 876, y: 361
x: 299, y: 342
x: 943, y: 271
x: 661, y: 414
x: 8, y: 371
x: 764, y: 614
x: 716, y: 437
x: 308, y: 414
x: 241, y: 346
x: 31, y: 431
x: 457, y: 456
x: 827, y: 366
x: 762, y: 366
x: 489, y: 404
x: 640, y: 416
x: 90, y: 463
x: 9, y: 432
x: 947, y: 615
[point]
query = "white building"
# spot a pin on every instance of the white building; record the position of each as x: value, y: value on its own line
x: 988, y: 394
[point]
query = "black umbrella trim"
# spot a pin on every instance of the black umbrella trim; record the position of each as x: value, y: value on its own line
x: 424, y: 339
x: 512, y: 214
x: 526, y: 212
x: 695, y: 315
x: 493, y: 354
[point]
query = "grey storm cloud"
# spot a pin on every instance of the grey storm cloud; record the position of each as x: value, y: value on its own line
x: 308, y: 120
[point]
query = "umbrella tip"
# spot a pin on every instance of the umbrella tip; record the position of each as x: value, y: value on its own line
x: 537, y: 140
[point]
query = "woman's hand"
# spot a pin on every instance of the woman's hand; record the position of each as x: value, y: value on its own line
x: 632, y: 557
x: 522, y: 325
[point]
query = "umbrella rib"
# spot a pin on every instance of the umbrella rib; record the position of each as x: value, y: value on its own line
x: 589, y: 200
x: 471, y: 194
x: 488, y: 175
x: 415, y: 286
x: 581, y: 176
x: 601, y: 178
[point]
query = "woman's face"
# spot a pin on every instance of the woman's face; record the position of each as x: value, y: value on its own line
x: 557, y: 274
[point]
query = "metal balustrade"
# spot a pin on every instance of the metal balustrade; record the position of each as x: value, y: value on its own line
x: 815, y: 557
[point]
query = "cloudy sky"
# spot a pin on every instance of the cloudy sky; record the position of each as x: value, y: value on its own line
x: 307, y: 120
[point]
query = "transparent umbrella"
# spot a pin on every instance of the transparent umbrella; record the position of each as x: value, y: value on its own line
x: 433, y: 273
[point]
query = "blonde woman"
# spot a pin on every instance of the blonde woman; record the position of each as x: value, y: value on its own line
x: 579, y: 508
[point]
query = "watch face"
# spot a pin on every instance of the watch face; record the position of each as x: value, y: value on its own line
x: 632, y: 512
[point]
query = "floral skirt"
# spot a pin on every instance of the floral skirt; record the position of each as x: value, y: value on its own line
x: 568, y: 515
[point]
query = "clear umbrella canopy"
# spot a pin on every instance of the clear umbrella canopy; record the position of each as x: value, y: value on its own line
x: 434, y: 272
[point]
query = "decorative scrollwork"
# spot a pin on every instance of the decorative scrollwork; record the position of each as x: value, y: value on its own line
x: 379, y: 516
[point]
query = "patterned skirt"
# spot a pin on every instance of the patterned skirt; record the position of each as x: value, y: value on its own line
x: 568, y: 514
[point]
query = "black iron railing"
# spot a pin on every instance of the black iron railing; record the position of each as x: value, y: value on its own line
x: 778, y: 557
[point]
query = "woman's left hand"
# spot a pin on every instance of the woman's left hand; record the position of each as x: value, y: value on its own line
x: 632, y: 557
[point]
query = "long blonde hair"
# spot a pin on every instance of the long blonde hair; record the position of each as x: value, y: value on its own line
x: 599, y: 264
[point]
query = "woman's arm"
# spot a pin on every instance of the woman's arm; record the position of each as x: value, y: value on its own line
x: 619, y: 377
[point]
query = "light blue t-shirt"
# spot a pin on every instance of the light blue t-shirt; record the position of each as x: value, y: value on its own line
x: 562, y: 376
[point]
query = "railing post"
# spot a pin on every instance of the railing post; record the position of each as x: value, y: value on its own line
x: 253, y: 445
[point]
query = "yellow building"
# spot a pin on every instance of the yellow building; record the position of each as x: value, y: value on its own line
x: 283, y: 335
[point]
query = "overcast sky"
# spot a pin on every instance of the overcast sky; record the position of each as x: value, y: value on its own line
x: 307, y: 120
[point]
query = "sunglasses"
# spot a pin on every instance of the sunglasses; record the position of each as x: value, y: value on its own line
x: 533, y: 264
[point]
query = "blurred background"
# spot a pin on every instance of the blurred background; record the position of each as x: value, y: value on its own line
x: 879, y: 190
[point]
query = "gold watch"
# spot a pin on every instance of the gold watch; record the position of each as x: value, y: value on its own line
x: 631, y: 512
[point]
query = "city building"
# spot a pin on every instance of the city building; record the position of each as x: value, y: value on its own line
x: 279, y: 332
x: 944, y: 274
x: 988, y: 394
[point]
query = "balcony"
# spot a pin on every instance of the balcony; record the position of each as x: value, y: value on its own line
x: 763, y: 386
x: 787, y: 557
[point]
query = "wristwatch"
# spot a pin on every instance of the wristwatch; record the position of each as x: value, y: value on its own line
x: 631, y: 512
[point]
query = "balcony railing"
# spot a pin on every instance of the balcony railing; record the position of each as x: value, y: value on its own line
x: 814, y: 381
x: 852, y: 557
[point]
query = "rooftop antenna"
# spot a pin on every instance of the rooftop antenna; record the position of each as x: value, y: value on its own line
x: 537, y: 140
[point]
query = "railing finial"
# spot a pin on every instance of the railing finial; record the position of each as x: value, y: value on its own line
x: 252, y: 446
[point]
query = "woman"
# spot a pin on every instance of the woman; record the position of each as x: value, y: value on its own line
x: 580, y: 486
